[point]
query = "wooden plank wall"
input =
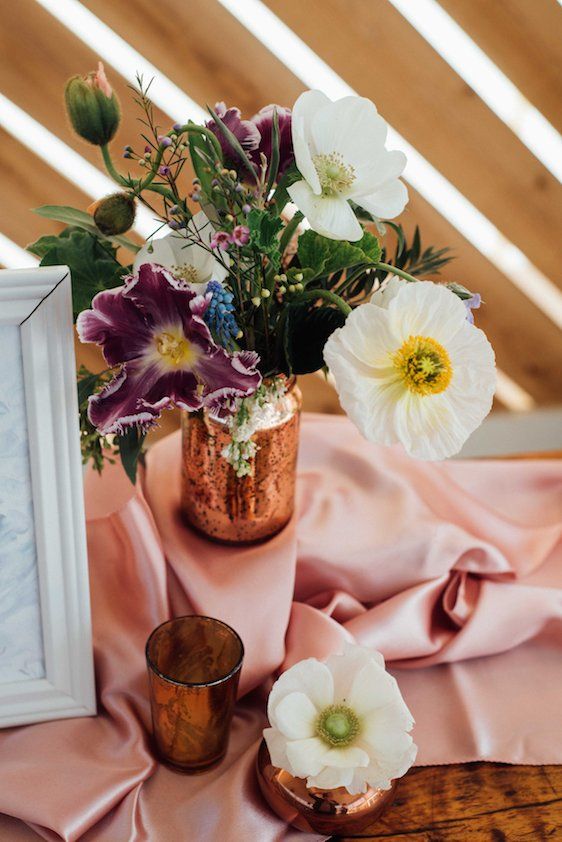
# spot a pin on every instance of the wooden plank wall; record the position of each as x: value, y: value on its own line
x: 205, y: 51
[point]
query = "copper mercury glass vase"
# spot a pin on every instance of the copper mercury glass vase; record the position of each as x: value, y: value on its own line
x: 238, y: 510
x: 333, y: 812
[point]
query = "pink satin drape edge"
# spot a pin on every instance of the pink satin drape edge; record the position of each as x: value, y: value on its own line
x: 452, y: 570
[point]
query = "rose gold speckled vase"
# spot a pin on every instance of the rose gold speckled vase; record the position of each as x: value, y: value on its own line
x: 333, y: 812
x: 239, y: 510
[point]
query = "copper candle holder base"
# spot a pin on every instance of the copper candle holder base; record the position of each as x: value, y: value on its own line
x: 331, y: 811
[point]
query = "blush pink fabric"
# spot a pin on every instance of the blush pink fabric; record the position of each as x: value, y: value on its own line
x: 452, y: 570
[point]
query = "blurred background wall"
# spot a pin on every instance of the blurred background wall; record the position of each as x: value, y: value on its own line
x: 472, y: 90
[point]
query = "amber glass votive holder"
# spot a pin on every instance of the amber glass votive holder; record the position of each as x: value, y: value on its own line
x: 194, y: 666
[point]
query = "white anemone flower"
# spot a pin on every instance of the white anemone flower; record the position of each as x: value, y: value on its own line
x: 340, y: 723
x: 409, y: 367
x: 184, y: 258
x: 340, y: 153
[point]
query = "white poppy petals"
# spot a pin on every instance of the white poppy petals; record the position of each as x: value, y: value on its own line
x: 410, y: 368
x: 345, y: 731
x: 340, y: 153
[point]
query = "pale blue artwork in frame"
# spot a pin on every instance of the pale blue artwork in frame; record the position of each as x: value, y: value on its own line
x: 46, y: 657
x: 21, y: 640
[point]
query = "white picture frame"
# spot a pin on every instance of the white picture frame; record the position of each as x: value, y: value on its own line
x: 37, y: 302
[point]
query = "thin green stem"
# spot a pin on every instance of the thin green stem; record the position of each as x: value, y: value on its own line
x: 327, y: 295
x: 115, y: 175
x: 395, y: 271
x: 289, y: 230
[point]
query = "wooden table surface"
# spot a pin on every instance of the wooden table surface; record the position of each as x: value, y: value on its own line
x: 476, y: 802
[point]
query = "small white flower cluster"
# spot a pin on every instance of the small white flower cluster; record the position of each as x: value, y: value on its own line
x: 261, y: 410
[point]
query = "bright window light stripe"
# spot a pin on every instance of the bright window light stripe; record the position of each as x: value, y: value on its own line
x: 13, y: 256
x: 63, y: 159
x: 512, y: 395
x: 122, y: 57
x: 434, y: 187
x: 492, y: 86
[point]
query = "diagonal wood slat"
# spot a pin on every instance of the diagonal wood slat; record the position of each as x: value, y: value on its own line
x: 524, y: 39
x: 37, y: 56
x: 382, y: 56
x: 215, y: 71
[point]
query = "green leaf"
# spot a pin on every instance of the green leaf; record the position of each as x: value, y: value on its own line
x: 93, y: 267
x: 307, y: 331
x: 202, y: 158
x: 280, y: 196
x: 264, y: 229
x: 83, y: 220
x: 274, y: 159
x: 325, y: 256
x: 130, y: 450
x: 233, y: 142
x: 87, y: 386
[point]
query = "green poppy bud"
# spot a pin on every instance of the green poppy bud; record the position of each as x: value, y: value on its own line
x: 92, y: 107
x: 114, y: 214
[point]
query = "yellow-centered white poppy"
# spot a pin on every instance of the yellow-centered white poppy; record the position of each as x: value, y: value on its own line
x: 340, y: 153
x: 340, y: 723
x: 410, y: 368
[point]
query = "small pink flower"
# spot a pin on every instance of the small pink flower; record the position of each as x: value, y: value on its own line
x: 98, y: 79
x: 220, y: 240
x: 240, y: 235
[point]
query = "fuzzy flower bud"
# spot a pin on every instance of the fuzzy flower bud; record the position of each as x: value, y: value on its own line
x: 114, y: 214
x: 92, y: 107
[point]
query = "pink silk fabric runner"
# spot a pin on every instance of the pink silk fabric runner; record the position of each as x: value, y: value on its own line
x: 452, y: 570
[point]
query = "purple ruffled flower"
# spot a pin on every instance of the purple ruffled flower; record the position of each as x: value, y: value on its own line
x: 255, y: 135
x: 153, y: 327
x: 245, y: 132
x: 263, y: 121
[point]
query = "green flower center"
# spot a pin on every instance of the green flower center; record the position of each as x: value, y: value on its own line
x: 337, y: 726
x: 334, y: 174
x: 186, y: 272
x: 423, y: 365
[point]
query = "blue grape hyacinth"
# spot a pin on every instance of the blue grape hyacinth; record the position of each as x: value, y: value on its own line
x: 220, y: 314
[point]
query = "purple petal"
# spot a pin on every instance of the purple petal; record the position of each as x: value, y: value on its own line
x: 244, y: 131
x: 116, y: 324
x: 225, y: 377
x: 263, y: 121
x: 120, y: 404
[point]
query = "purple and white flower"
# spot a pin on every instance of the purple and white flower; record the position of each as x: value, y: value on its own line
x: 153, y: 327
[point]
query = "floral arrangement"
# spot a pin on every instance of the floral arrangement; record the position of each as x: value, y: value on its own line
x: 342, y: 723
x: 267, y: 260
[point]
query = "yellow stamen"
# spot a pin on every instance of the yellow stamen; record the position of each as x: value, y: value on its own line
x: 334, y: 174
x: 176, y: 350
x: 424, y: 365
x: 337, y: 726
x: 186, y: 272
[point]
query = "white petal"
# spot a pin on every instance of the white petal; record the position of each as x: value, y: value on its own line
x: 372, y: 688
x: 376, y: 172
x: 295, y: 716
x: 387, y: 201
x: 384, y: 731
x: 344, y: 668
x: 311, y: 677
x: 427, y: 309
x: 330, y: 216
x: 304, y: 110
x: 306, y: 757
x: 390, y: 289
x: 350, y: 126
x: 346, y: 758
x: 331, y: 778
x: 276, y: 745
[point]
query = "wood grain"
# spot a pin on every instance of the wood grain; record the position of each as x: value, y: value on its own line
x: 524, y: 39
x: 382, y: 56
x: 485, y: 802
